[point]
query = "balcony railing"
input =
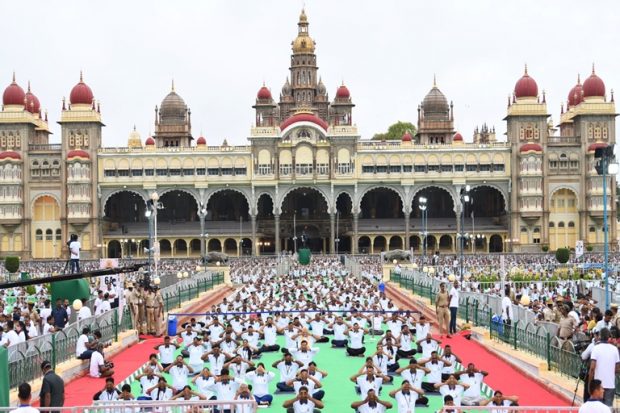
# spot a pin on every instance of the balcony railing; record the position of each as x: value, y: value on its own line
x: 47, y: 147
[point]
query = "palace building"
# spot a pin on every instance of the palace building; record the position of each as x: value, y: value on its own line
x: 305, y: 173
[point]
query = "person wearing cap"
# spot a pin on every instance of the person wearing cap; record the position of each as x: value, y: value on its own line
x: 159, y: 313
x: 53, y: 387
x: 149, y: 299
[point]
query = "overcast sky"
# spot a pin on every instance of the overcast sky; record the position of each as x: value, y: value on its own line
x: 386, y: 51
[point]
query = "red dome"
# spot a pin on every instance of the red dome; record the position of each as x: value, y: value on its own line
x: 78, y: 153
x: 593, y: 86
x: 81, y: 94
x: 526, y: 87
x: 343, y: 92
x: 150, y: 141
x: 200, y: 141
x: 263, y: 93
x: 531, y: 147
x: 575, y: 96
x: 10, y: 155
x: 304, y: 117
x: 13, y: 94
x: 457, y: 137
x: 32, y: 102
x: 596, y: 146
x: 407, y: 137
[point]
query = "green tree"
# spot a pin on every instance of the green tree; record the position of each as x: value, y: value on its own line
x: 11, y: 264
x: 562, y: 255
x: 396, y: 131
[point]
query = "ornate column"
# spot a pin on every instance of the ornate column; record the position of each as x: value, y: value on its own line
x: 254, y: 242
x: 355, y: 233
x: 276, y: 219
x: 407, y: 229
x: 332, y: 233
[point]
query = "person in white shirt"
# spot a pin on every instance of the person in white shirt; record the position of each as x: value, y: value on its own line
x: 305, y: 380
x: 499, y: 399
x: 11, y: 337
x: 216, y: 360
x: 406, y: 397
x: 98, y: 366
x: 162, y: 392
x: 472, y: 396
x: 422, y: 328
x: 269, y: 332
x: 74, y: 248
x: 109, y: 392
x: 188, y: 394
x: 414, y: 374
x: 187, y: 336
x: 82, y: 348
x: 104, y: 306
x: 454, y: 306
x: 148, y: 379
x: 24, y: 394
x: 204, y: 382
x: 243, y: 393
x: 179, y: 371
x: 226, y: 386
x: 367, y: 379
x: 507, y: 314
x: 604, y: 364
x: 339, y: 328
x: 166, y: 352
x: 318, y: 328
x: 238, y: 367
x: 381, y: 359
x: 594, y: 403
x: 195, y: 352
x: 302, y: 403
x: 305, y: 354
x: 31, y: 328
x: 435, y: 364
x: 356, y: 341
x: 453, y: 388
x: 405, y: 340
x: 288, y: 371
x: 371, y: 404
x: 428, y: 345
x: 453, y: 359
x: 260, y: 380
x: 84, y: 312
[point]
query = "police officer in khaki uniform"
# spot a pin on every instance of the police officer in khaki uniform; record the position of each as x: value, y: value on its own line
x: 548, y: 312
x: 141, y: 310
x: 150, y: 311
x: 132, y: 300
x: 159, y: 313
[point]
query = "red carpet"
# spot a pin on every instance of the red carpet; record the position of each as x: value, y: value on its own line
x: 80, y: 391
x: 502, y: 375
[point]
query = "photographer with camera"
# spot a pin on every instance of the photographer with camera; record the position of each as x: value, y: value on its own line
x: 74, y: 250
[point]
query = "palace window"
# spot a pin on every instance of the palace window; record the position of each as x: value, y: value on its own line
x: 123, y: 172
x: 149, y: 172
x: 303, y: 169
x: 286, y: 169
x: 136, y: 172
x: 264, y: 169
x: 472, y: 168
x: 553, y: 164
x: 381, y: 169
x: 213, y: 171
x: 407, y: 168
x: 201, y: 171
x: 419, y: 168
x: 49, y: 235
x: 174, y: 172
x: 446, y: 168
x: 536, y: 235
x: 109, y: 173
x: 344, y: 168
x: 395, y: 169
x: 240, y: 171
x: 227, y: 171
x: 459, y: 168
x: 499, y: 167
x: 162, y: 172
x: 58, y: 235
x: 322, y: 169
x: 485, y: 168
x: 433, y: 168
x: 39, y: 235
x: 368, y: 169
x: 188, y: 172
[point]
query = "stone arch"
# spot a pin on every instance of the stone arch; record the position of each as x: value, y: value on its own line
x: 283, y: 196
x: 497, y: 188
x: 449, y: 189
x: 568, y: 187
x: 185, y: 190
x: 247, y: 197
x: 107, y: 197
x: 358, y: 202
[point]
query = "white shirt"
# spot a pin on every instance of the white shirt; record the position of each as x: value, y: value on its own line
x: 594, y: 406
x: 108, y: 396
x: 406, y: 403
x: 449, y: 369
x: 606, y: 356
x: 195, y: 354
x: 80, y: 346
x: 287, y: 372
x: 308, y: 407
x: 415, y: 379
x: 405, y: 341
x: 365, y: 408
x: 159, y: 394
x: 475, y: 384
x: 216, y: 363
x: 12, y: 337
x: 74, y: 247
x: 179, y: 376
x: 456, y: 392
x: 84, y: 313
x: 29, y: 409
x: 305, y: 356
x: 270, y: 334
x: 226, y: 391
x: 507, y: 308
x: 96, y: 360
x: 339, y: 330
x: 147, y: 383
x: 356, y: 339
x: 166, y: 354
x: 435, y: 375
x: 421, y: 331
x: 365, y: 385
x: 381, y: 361
x: 260, y: 383
x: 105, y: 306
x: 204, y: 385
x: 454, y: 297
x: 428, y: 348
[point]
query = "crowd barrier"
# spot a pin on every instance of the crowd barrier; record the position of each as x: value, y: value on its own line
x: 174, y: 406
x: 25, y: 358
x: 511, y: 409
x: 523, y: 334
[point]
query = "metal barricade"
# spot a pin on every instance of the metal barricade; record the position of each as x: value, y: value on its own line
x: 174, y: 406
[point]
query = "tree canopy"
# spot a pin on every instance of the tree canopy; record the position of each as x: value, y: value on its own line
x: 396, y: 131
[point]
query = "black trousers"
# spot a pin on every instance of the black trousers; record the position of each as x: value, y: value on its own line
x: 266, y: 349
x: 453, y: 311
x: 356, y: 351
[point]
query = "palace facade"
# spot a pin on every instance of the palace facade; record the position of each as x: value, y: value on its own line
x: 306, y: 174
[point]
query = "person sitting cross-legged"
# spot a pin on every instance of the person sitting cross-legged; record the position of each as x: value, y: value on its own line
x: 414, y: 374
x: 260, y: 379
x: 303, y: 403
x: 453, y: 388
x: 288, y: 371
x: 473, y: 377
x: 356, y: 338
x: 371, y: 404
x: 435, y: 364
x: 368, y: 379
x: 406, y: 397
x: 305, y: 380
x: 499, y: 399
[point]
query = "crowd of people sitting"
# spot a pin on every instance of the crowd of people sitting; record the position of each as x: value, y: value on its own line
x: 290, y: 320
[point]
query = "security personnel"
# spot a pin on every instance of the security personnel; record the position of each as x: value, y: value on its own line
x: 159, y: 313
x: 140, y: 295
x: 150, y: 311
x: 134, y: 306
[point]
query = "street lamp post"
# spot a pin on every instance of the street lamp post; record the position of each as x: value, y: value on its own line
x: 295, y: 231
x: 465, y: 199
x: 337, y: 240
x: 202, y: 214
x: 155, y: 206
x: 606, y: 165
x: 423, y: 207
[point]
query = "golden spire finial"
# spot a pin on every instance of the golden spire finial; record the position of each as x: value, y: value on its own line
x: 526, y: 70
x: 13, y: 76
x: 134, y: 127
x: 172, y: 90
x: 578, y: 79
x: 593, y: 68
x: 81, y: 77
x: 29, y: 86
x: 434, y: 80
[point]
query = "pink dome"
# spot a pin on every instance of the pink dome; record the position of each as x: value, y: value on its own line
x: 150, y: 141
x: 343, y: 92
x: 32, y: 102
x: 526, y: 86
x: 406, y: 137
x: 531, y: 147
x: 81, y: 94
x: 201, y: 141
x: 593, y: 86
x: 593, y: 147
x: 10, y: 155
x: 13, y: 94
x: 457, y: 137
x: 263, y: 93
x: 78, y: 153
x: 575, y: 96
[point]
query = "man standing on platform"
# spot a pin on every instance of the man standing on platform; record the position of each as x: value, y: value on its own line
x: 454, y: 307
x: 133, y: 299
